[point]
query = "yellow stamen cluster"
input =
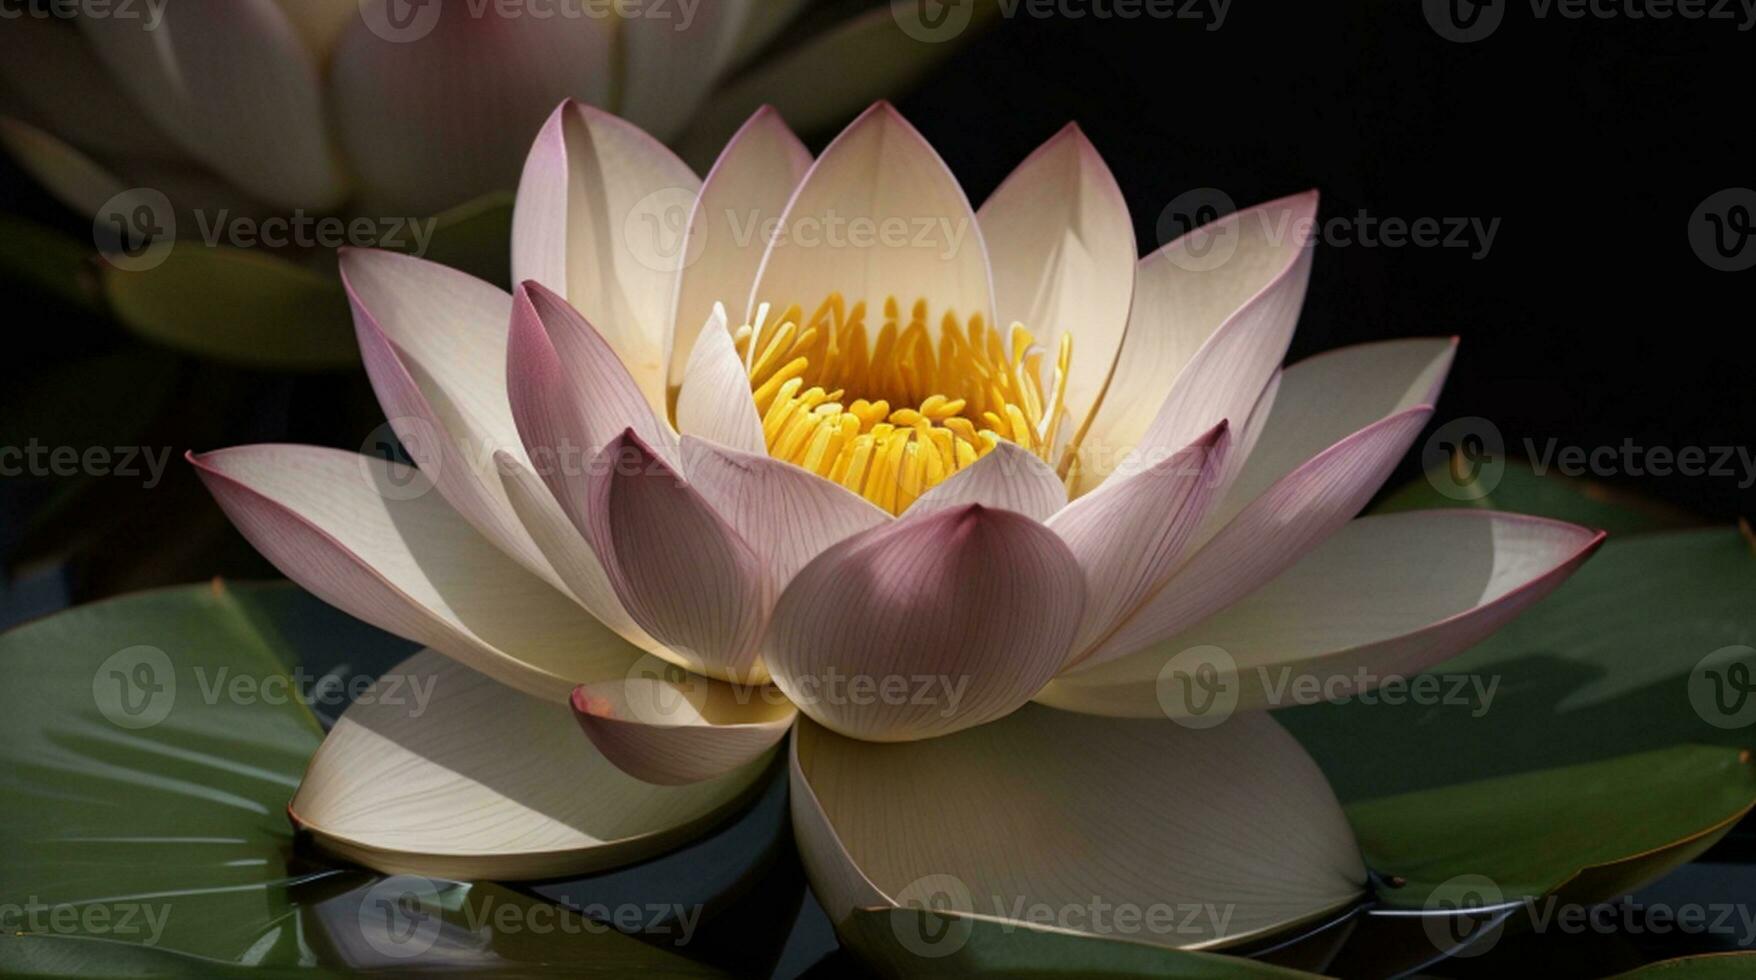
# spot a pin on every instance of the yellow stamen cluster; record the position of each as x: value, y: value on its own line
x: 927, y: 405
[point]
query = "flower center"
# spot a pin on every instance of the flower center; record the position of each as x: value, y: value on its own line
x: 892, y: 417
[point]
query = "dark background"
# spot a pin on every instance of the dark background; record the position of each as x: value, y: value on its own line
x: 1590, y: 321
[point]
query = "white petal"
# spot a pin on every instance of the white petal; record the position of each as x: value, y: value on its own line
x: 64, y: 89
x: 370, y: 538
x: 877, y: 181
x: 1062, y: 247
x: 484, y: 782
x: 746, y: 190
x: 671, y: 727
x: 1008, y: 477
x: 1213, y: 310
x: 1385, y: 597
x: 715, y: 402
x: 1269, y: 535
x: 1046, y: 809
x: 600, y: 220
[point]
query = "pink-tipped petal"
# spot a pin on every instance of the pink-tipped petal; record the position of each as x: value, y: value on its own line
x: 672, y: 727
x: 1008, y: 477
x: 438, y: 119
x: 1269, y: 535
x: 1324, y: 398
x: 1131, y: 534
x: 927, y: 626
x: 232, y: 83
x: 1213, y: 310
x: 715, y: 402
x: 370, y: 538
x: 1062, y: 247
x: 744, y: 193
x: 788, y: 515
x: 879, y: 183
x: 681, y: 570
x: 599, y: 221
x: 1383, y: 599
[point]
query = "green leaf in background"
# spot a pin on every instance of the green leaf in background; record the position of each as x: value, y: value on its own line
x: 906, y: 942
x: 239, y: 306
x: 1709, y: 966
x: 475, y: 237
x: 1518, y: 488
x: 46, y: 259
x: 151, y: 743
x: 1599, y: 759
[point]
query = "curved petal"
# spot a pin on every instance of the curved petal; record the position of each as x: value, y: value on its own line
x: 1269, y: 535
x: 63, y: 88
x: 1008, y: 477
x: 600, y: 221
x: 441, y: 392
x: 570, y: 395
x: 1131, y: 535
x: 672, y: 54
x: 1212, y: 316
x: 879, y: 183
x: 434, y: 120
x: 977, y: 606
x: 715, y: 402
x: 478, y: 781
x: 1385, y: 597
x: 1062, y: 247
x: 561, y: 544
x: 232, y: 82
x: 368, y: 537
x: 1054, y: 808
x: 680, y: 569
x: 320, y: 22
x: 787, y: 515
x: 672, y: 727
x: 74, y: 178
x: 1324, y: 398
x: 746, y: 190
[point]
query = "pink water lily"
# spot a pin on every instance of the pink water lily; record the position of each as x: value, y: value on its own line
x: 882, y: 491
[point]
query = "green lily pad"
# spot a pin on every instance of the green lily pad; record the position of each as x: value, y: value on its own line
x: 1579, y: 749
x: 151, y: 743
x: 239, y: 306
x: 1519, y: 488
x: 915, y: 942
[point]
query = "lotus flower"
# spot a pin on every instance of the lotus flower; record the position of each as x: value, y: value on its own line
x: 385, y: 111
x: 808, y: 476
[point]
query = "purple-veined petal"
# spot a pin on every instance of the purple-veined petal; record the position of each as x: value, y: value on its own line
x: 1008, y: 477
